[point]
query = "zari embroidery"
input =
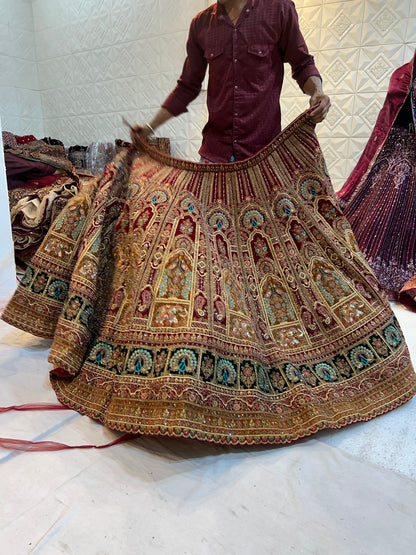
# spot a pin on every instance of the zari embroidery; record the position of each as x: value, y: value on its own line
x: 227, y: 303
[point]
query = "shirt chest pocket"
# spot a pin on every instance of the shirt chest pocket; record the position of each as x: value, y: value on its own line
x: 258, y: 64
x: 214, y: 53
x: 259, y: 51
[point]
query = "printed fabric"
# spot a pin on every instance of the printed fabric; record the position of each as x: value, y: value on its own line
x: 222, y: 302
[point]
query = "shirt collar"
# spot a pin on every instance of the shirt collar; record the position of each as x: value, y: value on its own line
x: 220, y: 10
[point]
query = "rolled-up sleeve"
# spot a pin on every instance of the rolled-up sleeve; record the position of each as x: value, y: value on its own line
x: 189, y: 83
x: 293, y: 47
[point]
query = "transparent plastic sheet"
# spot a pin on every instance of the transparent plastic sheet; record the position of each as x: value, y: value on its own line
x: 98, y: 155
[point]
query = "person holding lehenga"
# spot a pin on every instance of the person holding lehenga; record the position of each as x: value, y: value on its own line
x: 245, y: 44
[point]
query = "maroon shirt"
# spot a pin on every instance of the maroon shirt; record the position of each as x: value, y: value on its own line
x: 245, y: 74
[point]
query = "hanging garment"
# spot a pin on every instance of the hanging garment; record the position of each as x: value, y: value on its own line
x: 226, y: 302
x: 379, y: 197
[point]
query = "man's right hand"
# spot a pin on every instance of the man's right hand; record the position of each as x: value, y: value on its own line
x: 139, y: 131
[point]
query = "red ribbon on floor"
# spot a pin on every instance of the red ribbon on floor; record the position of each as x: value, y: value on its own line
x: 24, y: 445
x: 35, y: 406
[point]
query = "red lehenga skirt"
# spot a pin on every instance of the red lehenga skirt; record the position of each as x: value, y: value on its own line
x: 226, y: 302
x: 382, y: 212
x: 379, y: 197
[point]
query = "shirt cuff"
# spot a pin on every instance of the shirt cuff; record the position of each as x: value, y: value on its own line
x: 174, y: 105
x: 304, y: 75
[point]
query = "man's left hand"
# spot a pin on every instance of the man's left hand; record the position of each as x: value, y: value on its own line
x: 320, y: 105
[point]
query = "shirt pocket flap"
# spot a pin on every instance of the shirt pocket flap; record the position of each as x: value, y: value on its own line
x: 212, y: 52
x: 260, y: 50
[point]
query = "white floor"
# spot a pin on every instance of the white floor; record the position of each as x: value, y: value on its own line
x: 351, y: 491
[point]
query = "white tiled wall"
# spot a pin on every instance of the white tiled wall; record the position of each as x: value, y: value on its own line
x: 100, y: 59
x: 357, y: 44
x: 20, y: 105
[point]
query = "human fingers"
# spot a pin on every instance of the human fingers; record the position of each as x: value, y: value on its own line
x: 138, y: 133
x: 319, y: 110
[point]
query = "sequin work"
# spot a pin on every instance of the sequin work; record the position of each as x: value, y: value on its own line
x: 225, y: 303
x: 379, y: 196
x: 382, y: 212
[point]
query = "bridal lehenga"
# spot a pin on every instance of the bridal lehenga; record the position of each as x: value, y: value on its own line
x: 227, y: 302
x: 379, y: 197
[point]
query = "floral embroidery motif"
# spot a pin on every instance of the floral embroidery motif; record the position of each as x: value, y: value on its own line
x: 330, y: 283
x: 247, y: 374
x: 187, y: 226
x: 277, y: 303
x: 177, y: 278
x: 40, y: 282
x: 72, y: 307
x: 207, y: 367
